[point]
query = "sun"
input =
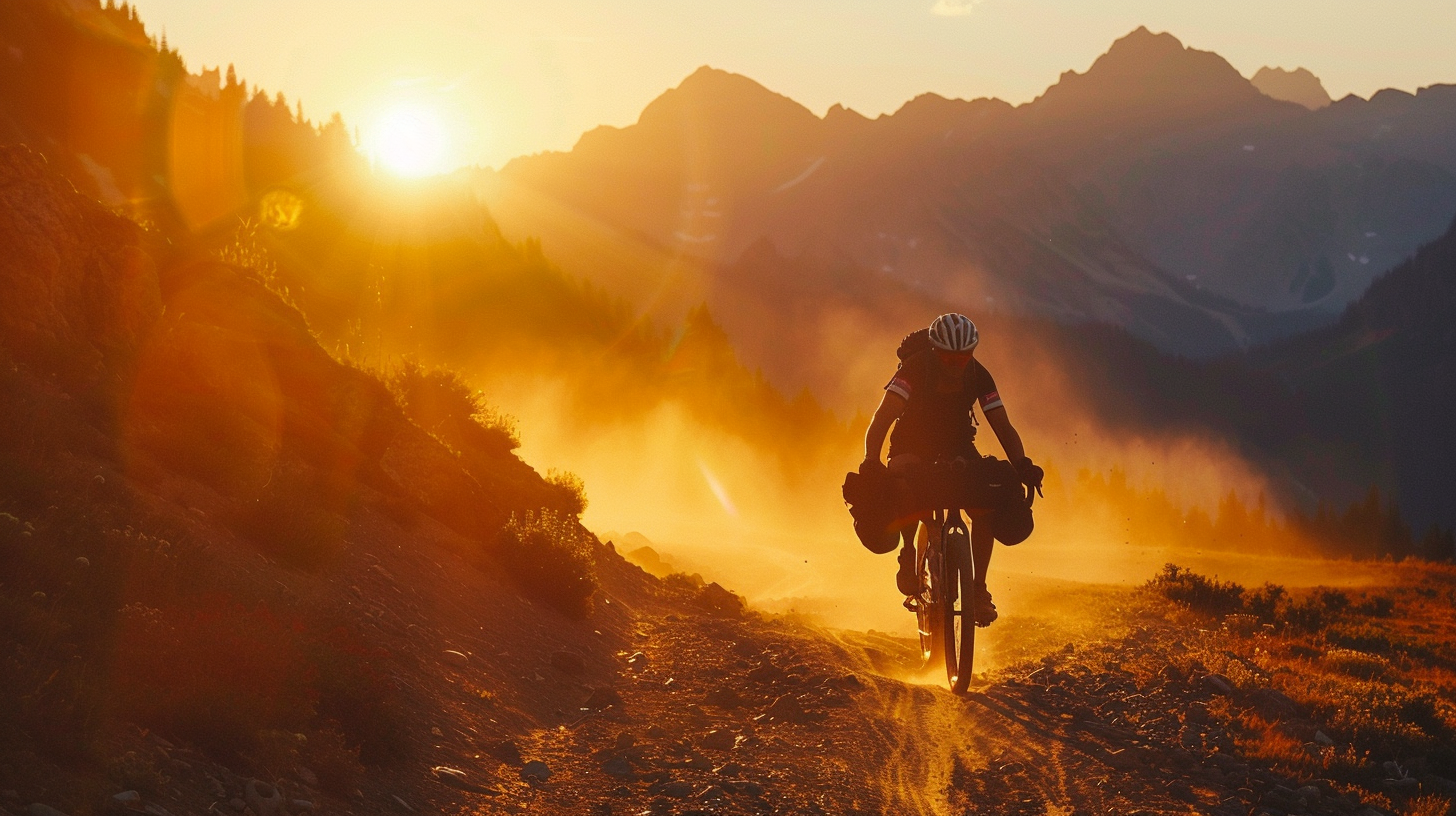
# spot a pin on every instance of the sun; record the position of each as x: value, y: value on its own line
x: 410, y: 140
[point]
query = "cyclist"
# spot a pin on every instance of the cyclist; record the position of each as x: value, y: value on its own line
x: 930, y: 401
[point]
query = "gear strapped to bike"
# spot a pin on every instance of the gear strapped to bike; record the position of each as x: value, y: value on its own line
x: 942, y: 496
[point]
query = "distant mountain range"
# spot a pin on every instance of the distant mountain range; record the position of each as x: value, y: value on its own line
x: 1160, y: 191
x: 1157, y: 201
x: 1298, y: 86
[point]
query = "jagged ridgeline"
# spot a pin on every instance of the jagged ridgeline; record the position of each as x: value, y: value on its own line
x: 382, y: 271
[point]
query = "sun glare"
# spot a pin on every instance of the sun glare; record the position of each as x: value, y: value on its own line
x: 411, y: 140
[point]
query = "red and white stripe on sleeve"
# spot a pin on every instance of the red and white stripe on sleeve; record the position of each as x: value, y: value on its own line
x: 899, y: 385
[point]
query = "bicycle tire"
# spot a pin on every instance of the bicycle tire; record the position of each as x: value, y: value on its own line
x: 925, y: 612
x: 957, y: 622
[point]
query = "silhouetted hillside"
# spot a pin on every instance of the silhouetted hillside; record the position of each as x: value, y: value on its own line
x: 1379, y: 389
x: 122, y: 117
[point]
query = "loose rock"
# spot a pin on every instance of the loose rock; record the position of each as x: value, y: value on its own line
x: 535, y: 772
x: 618, y: 767
x: 262, y: 798
x: 1218, y: 684
x: 506, y: 751
x: 602, y: 698
x: 719, y: 739
x: 458, y: 779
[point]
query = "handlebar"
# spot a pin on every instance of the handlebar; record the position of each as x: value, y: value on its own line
x: 971, y: 485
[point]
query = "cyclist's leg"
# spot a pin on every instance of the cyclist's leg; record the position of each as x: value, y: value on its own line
x: 982, y: 543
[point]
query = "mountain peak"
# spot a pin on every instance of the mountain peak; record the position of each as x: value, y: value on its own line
x: 1140, y: 44
x: 714, y: 96
x: 1298, y: 86
x: 1147, y: 74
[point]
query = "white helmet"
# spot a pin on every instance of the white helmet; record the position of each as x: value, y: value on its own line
x: 954, y: 332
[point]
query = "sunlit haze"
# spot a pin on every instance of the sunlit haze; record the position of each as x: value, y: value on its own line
x: 409, y: 140
x: 532, y: 77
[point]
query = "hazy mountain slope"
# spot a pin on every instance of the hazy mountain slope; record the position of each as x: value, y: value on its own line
x: 1159, y: 187
x: 1379, y: 388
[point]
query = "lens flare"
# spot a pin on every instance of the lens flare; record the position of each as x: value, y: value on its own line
x: 719, y: 492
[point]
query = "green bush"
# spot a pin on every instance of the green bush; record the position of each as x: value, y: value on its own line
x: 550, y: 555
x: 1200, y: 594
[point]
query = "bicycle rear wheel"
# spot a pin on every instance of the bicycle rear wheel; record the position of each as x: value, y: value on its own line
x: 957, y: 624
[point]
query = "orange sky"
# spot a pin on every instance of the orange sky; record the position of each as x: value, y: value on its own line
x: 510, y: 77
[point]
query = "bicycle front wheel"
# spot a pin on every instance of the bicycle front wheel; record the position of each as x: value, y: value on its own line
x: 957, y: 623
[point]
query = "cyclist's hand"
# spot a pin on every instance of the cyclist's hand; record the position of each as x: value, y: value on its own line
x: 1030, y: 474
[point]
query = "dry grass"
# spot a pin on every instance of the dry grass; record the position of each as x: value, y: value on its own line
x: 1373, y: 670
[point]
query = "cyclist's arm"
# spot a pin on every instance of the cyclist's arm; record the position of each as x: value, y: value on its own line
x: 892, y: 405
x: 1009, y: 438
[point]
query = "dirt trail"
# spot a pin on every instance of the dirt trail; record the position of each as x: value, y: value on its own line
x: 741, y: 714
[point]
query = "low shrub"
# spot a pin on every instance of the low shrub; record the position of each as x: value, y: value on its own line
x: 442, y: 404
x: 1376, y: 606
x: 1356, y: 664
x: 1200, y: 594
x: 570, y: 491
x: 551, y: 556
x: 1264, y: 602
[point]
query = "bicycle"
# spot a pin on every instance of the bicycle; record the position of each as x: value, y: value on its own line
x: 944, y: 617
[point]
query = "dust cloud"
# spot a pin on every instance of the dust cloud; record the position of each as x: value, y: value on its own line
x: 777, y: 531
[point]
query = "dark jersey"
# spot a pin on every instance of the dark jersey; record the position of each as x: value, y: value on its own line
x: 939, y: 405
